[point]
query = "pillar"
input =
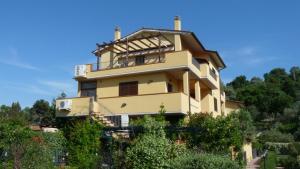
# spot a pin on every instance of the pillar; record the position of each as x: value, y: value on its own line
x: 186, y: 86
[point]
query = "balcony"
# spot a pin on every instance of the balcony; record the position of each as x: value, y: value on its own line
x: 78, y: 106
x: 167, y: 61
x: 208, y: 76
x: 176, y: 102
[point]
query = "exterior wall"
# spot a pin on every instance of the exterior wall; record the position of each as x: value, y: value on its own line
x: 81, y: 106
x: 206, y: 101
x: 147, y: 84
x: 231, y: 106
x: 247, y: 148
x: 144, y: 104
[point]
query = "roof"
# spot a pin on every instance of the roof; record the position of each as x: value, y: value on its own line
x: 212, y: 53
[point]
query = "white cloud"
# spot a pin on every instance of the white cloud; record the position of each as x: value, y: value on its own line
x: 14, y: 60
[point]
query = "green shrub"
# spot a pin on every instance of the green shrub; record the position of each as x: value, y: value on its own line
x: 288, y: 161
x: 269, y: 162
x: 152, y: 150
x: 203, y: 161
x: 275, y: 136
x: 215, y: 134
x: 84, y: 145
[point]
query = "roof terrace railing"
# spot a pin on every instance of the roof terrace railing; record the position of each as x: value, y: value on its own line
x: 130, y: 62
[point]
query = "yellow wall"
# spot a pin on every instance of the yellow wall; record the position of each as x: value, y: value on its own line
x: 145, y: 104
x: 247, y: 148
x: 173, y: 60
x: 80, y: 107
x: 231, y: 106
x: 147, y: 84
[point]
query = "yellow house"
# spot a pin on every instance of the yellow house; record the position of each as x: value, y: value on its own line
x: 135, y: 74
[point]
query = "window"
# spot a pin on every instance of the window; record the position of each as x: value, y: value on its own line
x: 128, y: 88
x: 140, y: 60
x: 216, y: 104
x: 88, y: 89
x: 170, y: 88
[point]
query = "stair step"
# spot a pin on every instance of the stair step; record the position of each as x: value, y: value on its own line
x: 101, y: 118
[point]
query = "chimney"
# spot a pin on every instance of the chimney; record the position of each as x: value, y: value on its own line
x: 177, y: 23
x: 117, y: 33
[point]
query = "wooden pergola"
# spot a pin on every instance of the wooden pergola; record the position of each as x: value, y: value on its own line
x: 139, y: 45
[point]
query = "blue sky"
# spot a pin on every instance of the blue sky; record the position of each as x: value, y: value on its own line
x: 42, y: 40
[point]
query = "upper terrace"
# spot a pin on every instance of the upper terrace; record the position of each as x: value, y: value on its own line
x: 150, y: 50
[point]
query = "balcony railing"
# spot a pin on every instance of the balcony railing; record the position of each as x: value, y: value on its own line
x: 130, y: 62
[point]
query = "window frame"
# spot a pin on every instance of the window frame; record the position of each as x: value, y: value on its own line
x: 128, y: 88
x: 215, y: 104
x: 140, y: 60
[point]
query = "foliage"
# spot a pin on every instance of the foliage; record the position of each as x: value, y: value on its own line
x: 271, y: 95
x: 84, y: 144
x: 288, y: 161
x: 41, y: 149
x: 152, y: 149
x: 239, y: 82
x: 26, y: 148
x: 42, y: 113
x: 215, y: 134
x: 245, y: 124
x: 269, y: 162
x: 275, y: 136
x: 203, y: 161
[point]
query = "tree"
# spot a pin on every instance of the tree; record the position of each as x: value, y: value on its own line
x: 245, y: 123
x: 239, y: 82
x: 295, y: 73
x: 84, y: 144
x: 41, y: 113
x: 215, y: 134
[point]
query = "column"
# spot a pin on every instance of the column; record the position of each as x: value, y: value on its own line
x: 186, y: 86
x: 197, y: 91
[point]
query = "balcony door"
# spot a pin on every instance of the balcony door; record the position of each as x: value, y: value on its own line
x: 89, y: 89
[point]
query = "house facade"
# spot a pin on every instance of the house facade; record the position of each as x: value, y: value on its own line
x: 134, y: 75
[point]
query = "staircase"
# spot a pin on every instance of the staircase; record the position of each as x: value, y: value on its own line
x: 98, y: 117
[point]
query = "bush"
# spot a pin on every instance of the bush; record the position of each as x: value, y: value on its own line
x: 215, y: 134
x: 84, y: 144
x: 203, y: 161
x: 288, y: 161
x: 269, y: 162
x: 152, y: 150
x: 275, y: 136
